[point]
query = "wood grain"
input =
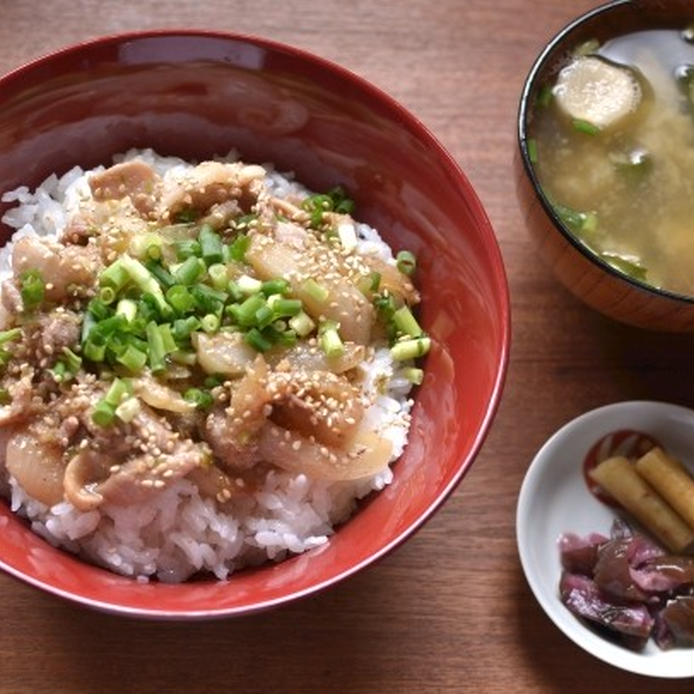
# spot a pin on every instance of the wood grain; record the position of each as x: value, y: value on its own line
x: 450, y: 610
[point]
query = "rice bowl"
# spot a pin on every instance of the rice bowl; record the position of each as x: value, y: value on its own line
x: 178, y: 532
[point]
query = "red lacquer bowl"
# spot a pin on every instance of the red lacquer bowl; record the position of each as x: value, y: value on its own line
x: 195, y: 94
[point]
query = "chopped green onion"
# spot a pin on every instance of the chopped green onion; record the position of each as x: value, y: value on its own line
x: 286, y: 307
x: 264, y: 316
x: 375, y: 281
x: 315, y: 290
x: 117, y: 391
x: 406, y: 323
x: 107, y: 295
x: 9, y: 335
x: 531, y: 146
x: 94, y: 351
x: 286, y: 338
x: 162, y: 276
x: 210, y: 323
x: 32, y: 289
x: 72, y: 360
x: 98, y: 309
x: 60, y: 372
x: 410, y: 349
x: 590, y: 222
x: 237, y: 250
x: 330, y: 340
x: 127, y: 308
x: 144, y: 279
x: 302, y: 324
x: 183, y: 327
x: 576, y: 221
x: 218, y: 275
x: 180, y: 299
x: 183, y: 357
x: 273, y: 299
x: 150, y: 309
x: 210, y: 245
x: 249, y: 285
x: 406, y: 262
x: 341, y: 203
x: 146, y: 245
x: 385, y: 304
x: 132, y: 358
x: 414, y: 375
x: 208, y: 300
x: 128, y: 409
x: 200, y: 398
x: 629, y: 265
x: 103, y: 414
x: 157, y: 352
x: 244, y: 313
x: 187, y: 248
x: 115, y: 276
x: 5, y: 397
x: 584, y: 126
x: 234, y: 291
x: 316, y: 205
x: 277, y: 286
x: 335, y: 200
x: 189, y: 271
x: 544, y: 97
x: 256, y: 340
x: 167, y: 338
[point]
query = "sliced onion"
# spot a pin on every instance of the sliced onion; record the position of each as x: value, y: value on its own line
x: 367, y: 455
x: 304, y: 357
x: 159, y: 396
x: 223, y: 353
x: 37, y: 467
x: 82, y: 474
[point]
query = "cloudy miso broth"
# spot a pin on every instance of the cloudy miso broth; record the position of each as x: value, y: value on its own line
x: 612, y: 142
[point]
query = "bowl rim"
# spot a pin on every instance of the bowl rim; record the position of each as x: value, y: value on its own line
x: 522, y: 141
x: 499, y: 277
x: 632, y: 661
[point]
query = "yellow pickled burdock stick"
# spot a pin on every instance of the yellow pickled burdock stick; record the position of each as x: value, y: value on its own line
x: 671, y: 480
x: 618, y: 477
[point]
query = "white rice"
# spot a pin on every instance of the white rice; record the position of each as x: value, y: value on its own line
x: 178, y: 533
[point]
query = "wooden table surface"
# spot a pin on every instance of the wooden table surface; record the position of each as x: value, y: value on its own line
x: 450, y: 610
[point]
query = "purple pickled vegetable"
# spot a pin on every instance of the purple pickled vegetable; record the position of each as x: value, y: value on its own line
x: 626, y: 567
x: 664, y: 574
x: 661, y: 633
x: 583, y: 597
x: 678, y: 617
x: 579, y: 554
x: 643, y: 549
x: 629, y: 587
x: 613, y: 571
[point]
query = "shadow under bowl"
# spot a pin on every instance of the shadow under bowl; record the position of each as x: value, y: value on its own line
x: 196, y: 94
x: 581, y: 271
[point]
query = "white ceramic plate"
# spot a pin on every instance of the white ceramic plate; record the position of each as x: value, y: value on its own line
x: 554, y: 499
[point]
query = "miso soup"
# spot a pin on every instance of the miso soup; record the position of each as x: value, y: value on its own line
x: 612, y: 143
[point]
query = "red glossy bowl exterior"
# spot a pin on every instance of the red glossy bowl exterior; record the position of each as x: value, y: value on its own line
x: 195, y: 94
